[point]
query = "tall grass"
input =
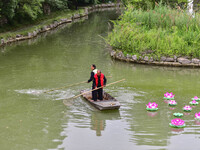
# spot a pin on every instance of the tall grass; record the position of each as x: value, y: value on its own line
x: 165, y: 30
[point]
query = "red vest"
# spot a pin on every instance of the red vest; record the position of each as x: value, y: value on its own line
x: 101, y: 79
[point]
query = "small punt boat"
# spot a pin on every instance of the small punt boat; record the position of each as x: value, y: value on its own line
x: 107, y: 103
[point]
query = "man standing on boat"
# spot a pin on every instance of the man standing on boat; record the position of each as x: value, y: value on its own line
x: 100, y: 81
x: 94, y: 71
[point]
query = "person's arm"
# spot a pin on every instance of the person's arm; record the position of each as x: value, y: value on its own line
x: 105, y: 80
x: 91, y: 77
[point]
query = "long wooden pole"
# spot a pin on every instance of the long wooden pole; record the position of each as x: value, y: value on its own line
x: 65, y: 86
x: 69, y: 86
x: 96, y: 89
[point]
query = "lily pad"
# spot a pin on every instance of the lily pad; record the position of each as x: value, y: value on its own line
x: 151, y: 109
x: 187, y: 110
x: 196, y: 99
x: 172, y: 104
x: 194, y: 103
x: 168, y: 98
x: 174, y: 126
x: 178, y: 114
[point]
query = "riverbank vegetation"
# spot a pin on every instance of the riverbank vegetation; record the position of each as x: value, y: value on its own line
x: 163, y: 30
x: 25, y: 28
x: 20, y: 18
x: 15, y: 13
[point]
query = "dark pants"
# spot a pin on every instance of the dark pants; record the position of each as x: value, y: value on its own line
x: 98, y: 94
x: 94, y: 97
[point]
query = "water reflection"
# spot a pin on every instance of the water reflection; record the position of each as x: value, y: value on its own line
x: 186, y: 113
x: 152, y: 114
x: 63, y: 58
x: 172, y: 107
x: 166, y: 101
x: 194, y: 106
x: 98, y: 120
x: 197, y: 122
x: 177, y: 130
x: 97, y: 124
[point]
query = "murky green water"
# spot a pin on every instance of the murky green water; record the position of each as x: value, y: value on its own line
x: 32, y: 120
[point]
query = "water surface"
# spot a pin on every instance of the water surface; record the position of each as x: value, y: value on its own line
x: 31, y: 119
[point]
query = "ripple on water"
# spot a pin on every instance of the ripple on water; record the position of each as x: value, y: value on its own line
x: 79, y: 115
x: 54, y: 95
x: 127, y: 96
x: 30, y: 91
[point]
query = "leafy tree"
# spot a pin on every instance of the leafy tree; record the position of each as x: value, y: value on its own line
x: 57, y: 4
x: 29, y: 9
x: 21, y: 10
x: 75, y: 3
x: 7, y: 8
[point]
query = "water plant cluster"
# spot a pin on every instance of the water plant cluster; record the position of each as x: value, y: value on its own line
x: 177, y: 122
x: 162, y: 31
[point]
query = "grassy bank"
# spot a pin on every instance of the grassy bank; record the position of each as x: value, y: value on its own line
x: 161, y: 31
x: 27, y: 27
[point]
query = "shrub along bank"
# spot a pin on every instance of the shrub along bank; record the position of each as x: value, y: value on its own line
x: 51, y: 23
x: 20, y: 11
x: 157, y: 32
x: 24, y: 29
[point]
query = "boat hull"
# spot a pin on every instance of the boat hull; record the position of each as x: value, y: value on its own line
x: 107, y: 103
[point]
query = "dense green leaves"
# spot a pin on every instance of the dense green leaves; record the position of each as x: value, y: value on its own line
x: 7, y: 8
x: 19, y: 10
x: 164, y: 30
x: 57, y: 4
x: 28, y: 8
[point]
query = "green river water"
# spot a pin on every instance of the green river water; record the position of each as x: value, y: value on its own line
x: 32, y: 120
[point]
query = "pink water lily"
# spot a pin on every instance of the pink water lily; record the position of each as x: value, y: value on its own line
x: 177, y: 122
x: 172, y: 102
x: 196, y: 98
x: 197, y: 115
x: 194, y: 102
x: 187, y: 107
x: 152, y: 105
x: 169, y: 95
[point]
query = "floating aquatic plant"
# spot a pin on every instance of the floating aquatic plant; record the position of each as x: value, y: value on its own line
x: 169, y: 96
x: 172, y: 103
x: 194, y: 102
x: 187, y: 108
x: 178, y: 114
x: 197, y: 116
x: 177, y: 123
x: 152, y: 106
x: 196, y: 98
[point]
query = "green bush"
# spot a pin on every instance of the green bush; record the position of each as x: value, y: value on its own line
x: 164, y: 30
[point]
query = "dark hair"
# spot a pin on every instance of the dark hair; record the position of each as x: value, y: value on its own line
x: 93, y: 65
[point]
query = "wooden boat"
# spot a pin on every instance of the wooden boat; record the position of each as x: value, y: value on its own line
x: 107, y: 103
